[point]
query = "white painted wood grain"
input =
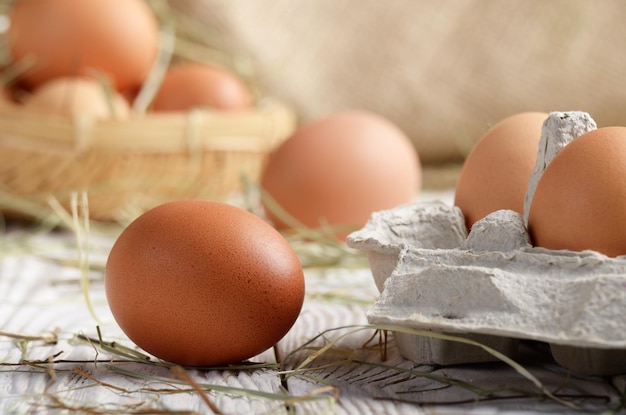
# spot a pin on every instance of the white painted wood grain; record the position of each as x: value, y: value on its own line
x: 39, y: 295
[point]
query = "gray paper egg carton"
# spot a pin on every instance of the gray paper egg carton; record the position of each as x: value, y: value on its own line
x: 491, y: 285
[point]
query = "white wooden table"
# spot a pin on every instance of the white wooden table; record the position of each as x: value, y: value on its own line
x: 330, y: 362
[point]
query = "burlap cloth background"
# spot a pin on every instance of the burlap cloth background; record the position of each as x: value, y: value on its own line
x: 442, y: 70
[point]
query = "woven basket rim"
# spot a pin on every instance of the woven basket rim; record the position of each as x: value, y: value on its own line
x: 257, y: 129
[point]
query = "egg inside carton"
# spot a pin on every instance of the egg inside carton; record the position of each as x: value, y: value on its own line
x: 491, y: 285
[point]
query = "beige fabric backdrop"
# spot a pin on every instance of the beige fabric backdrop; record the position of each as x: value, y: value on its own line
x: 442, y: 70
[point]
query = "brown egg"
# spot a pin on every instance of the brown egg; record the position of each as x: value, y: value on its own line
x: 202, y: 283
x: 116, y: 38
x: 495, y: 174
x: 580, y: 201
x: 72, y: 96
x: 339, y: 169
x: 190, y: 85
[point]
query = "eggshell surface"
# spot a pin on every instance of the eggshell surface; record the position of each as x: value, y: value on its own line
x: 580, y: 201
x: 115, y: 38
x: 339, y: 169
x: 72, y: 96
x: 192, y: 85
x: 202, y: 283
x: 495, y: 173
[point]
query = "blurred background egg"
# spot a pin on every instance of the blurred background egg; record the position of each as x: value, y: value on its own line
x: 580, y: 201
x: 72, y: 96
x: 495, y: 173
x: 339, y: 169
x: 6, y: 98
x: 203, y: 283
x: 189, y: 85
x: 114, y: 38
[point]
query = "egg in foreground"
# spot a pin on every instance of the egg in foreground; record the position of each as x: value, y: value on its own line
x: 580, y: 200
x: 203, y: 283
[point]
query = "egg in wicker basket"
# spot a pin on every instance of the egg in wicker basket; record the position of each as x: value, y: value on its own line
x: 135, y: 163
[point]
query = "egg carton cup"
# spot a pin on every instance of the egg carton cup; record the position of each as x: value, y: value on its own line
x: 493, y: 287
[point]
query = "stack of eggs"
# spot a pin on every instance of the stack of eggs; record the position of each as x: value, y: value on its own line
x: 93, y: 58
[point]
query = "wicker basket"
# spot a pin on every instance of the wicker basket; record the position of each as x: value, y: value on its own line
x: 135, y: 164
